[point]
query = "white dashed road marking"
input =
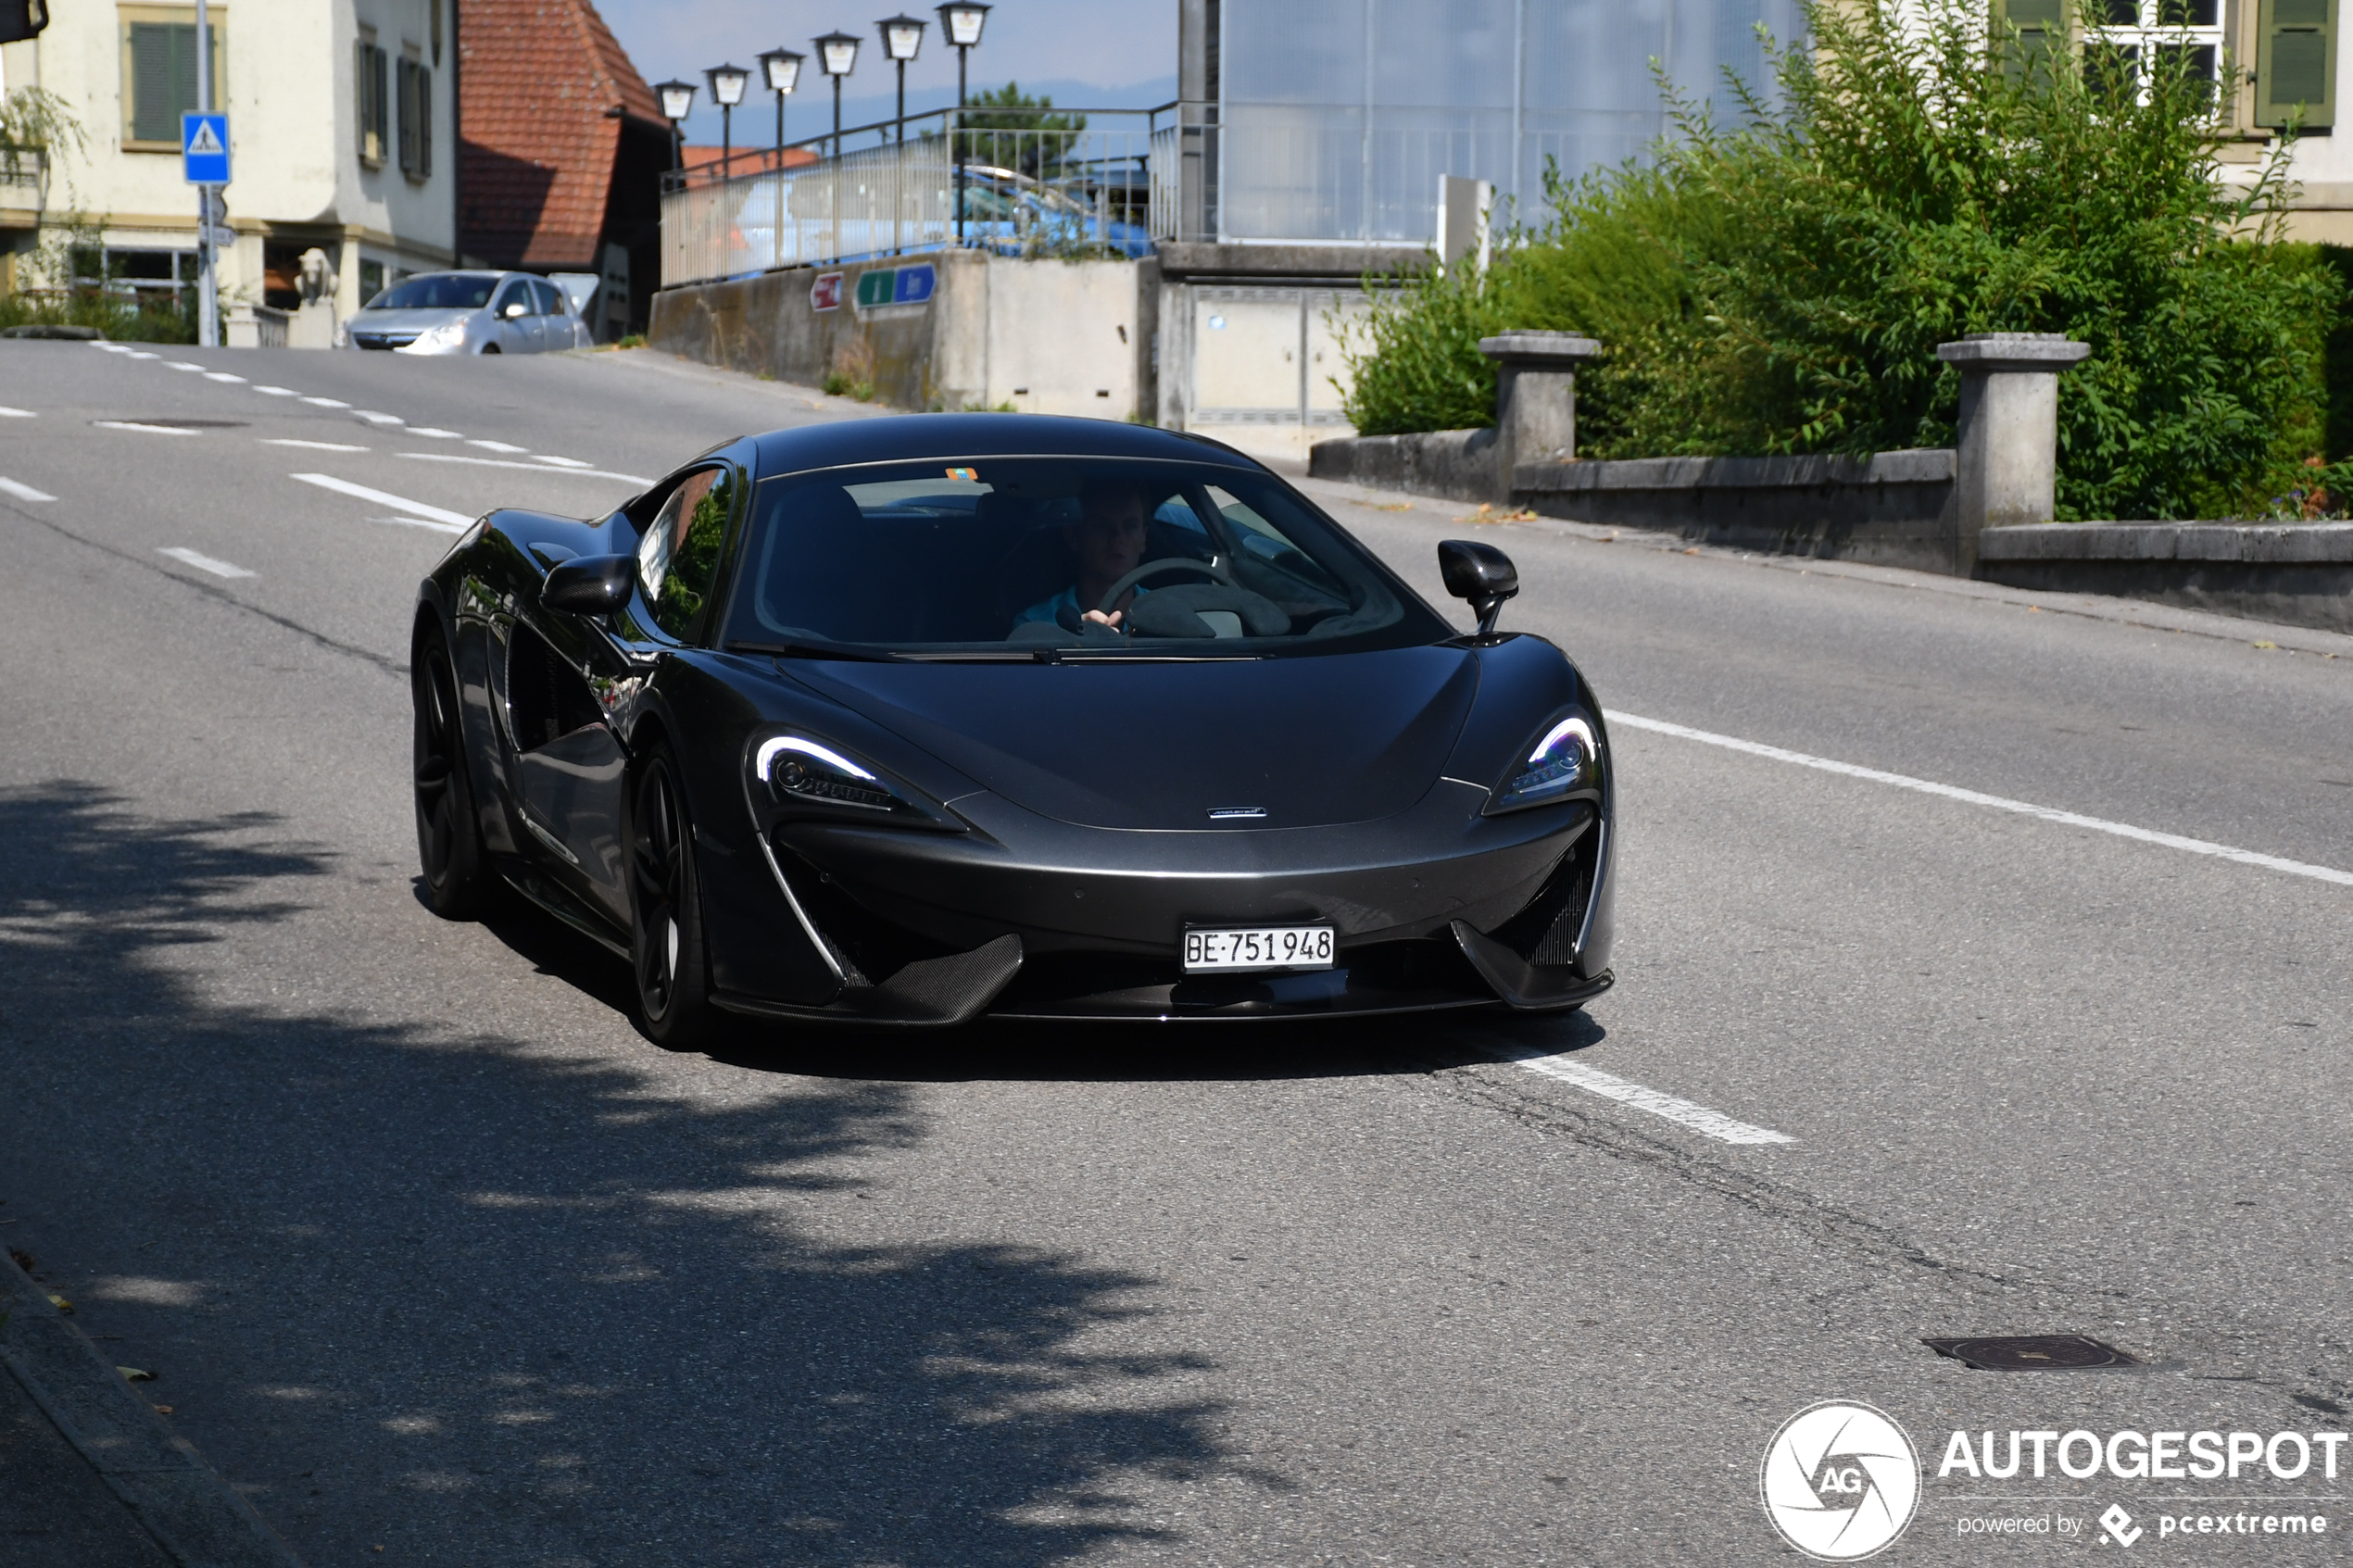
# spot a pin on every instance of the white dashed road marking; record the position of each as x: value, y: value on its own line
x: 1682, y: 1112
x: 375, y: 418
x: 133, y: 425
x: 497, y: 446
x: 181, y: 364
x: 277, y: 392
x: 424, y: 522
x: 1992, y: 802
x: 436, y: 432
x: 223, y: 375
x: 143, y: 354
x: 382, y: 499
x: 312, y: 446
x: 204, y: 563
x: 17, y: 414
x: 23, y: 492
x: 560, y: 462
x: 529, y: 467
x: 326, y: 402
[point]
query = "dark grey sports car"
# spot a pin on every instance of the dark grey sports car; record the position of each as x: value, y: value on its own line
x: 911, y: 721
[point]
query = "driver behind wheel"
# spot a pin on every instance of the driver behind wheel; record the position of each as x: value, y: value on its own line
x: 1108, y: 539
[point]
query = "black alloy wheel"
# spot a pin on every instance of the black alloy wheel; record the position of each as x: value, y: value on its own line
x: 666, y: 945
x: 449, y: 849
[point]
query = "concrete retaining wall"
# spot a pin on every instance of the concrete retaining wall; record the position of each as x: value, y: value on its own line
x: 1045, y: 337
x: 2299, y: 574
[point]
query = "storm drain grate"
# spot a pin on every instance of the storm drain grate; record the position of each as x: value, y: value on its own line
x: 2033, y: 1353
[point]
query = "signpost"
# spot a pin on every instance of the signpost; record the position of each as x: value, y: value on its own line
x: 204, y: 152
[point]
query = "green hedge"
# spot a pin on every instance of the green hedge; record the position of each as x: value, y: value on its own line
x: 1780, y: 284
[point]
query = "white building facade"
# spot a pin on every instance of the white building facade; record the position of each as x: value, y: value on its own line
x: 343, y: 139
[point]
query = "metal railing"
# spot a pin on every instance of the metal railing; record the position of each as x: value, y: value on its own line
x: 1024, y: 182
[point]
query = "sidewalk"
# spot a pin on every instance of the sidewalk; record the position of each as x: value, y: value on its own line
x: 56, y: 1512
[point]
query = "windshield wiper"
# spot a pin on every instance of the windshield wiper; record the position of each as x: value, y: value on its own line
x: 815, y: 650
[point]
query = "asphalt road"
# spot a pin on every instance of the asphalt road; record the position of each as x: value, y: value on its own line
x: 432, y: 1253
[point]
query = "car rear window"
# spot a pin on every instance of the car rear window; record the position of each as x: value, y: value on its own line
x: 996, y: 555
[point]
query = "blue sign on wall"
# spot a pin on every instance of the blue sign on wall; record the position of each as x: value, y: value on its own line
x: 204, y: 148
x: 915, y: 284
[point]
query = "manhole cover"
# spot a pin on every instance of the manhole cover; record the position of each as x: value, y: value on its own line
x: 2033, y: 1353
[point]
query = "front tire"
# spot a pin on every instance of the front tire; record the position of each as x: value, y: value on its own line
x: 665, y: 908
x: 449, y: 847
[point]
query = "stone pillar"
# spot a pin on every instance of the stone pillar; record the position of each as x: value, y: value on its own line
x: 2007, y: 465
x: 1535, y: 399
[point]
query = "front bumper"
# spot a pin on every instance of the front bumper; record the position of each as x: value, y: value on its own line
x: 1436, y: 907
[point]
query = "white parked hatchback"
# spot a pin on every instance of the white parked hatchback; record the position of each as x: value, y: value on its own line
x: 468, y: 313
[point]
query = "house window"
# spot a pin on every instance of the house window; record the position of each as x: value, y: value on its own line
x: 416, y: 119
x: 372, y: 280
x: 2135, y: 37
x: 159, y: 74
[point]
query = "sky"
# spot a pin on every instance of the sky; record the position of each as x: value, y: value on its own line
x: 1109, y: 53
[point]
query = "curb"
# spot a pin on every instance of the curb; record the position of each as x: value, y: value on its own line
x: 190, y: 1511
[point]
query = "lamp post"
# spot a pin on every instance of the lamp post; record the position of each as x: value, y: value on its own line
x: 784, y: 74
x: 901, y: 36
x: 677, y: 103
x: 837, y: 55
x: 961, y: 25
x: 728, y: 84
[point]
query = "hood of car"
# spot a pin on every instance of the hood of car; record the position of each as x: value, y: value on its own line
x: 1308, y: 742
x: 404, y: 321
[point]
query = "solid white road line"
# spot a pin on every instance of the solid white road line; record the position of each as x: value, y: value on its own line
x: 532, y: 467
x: 326, y: 402
x: 277, y: 392
x: 204, y: 563
x: 1682, y: 1112
x: 424, y: 522
x: 561, y: 462
x: 222, y: 375
x: 1992, y: 802
x: 23, y: 492
x: 399, y: 503
x: 375, y: 418
x: 17, y: 414
x: 312, y: 446
x: 436, y: 432
x: 151, y: 429
x: 497, y: 446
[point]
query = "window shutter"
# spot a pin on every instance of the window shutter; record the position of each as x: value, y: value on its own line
x: 2040, y: 24
x: 2295, y: 62
x: 424, y: 124
x: 151, y: 113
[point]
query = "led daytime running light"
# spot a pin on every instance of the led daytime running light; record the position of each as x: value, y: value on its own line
x: 1562, y: 761
x: 826, y: 776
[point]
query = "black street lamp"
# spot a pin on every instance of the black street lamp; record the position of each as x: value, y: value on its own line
x: 837, y: 55
x: 728, y: 84
x: 677, y: 103
x: 901, y: 36
x: 961, y: 25
x: 784, y: 74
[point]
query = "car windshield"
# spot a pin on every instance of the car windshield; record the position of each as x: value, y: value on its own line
x: 1014, y: 557
x: 438, y: 290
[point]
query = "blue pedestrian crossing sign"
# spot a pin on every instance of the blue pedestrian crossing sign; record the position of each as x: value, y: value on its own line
x: 204, y: 148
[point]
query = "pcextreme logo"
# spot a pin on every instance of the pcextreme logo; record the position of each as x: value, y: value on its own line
x: 1840, y: 1481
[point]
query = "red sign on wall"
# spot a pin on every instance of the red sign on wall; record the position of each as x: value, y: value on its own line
x: 825, y: 292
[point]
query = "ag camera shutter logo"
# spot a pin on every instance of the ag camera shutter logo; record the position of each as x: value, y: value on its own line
x: 1840, y: 1481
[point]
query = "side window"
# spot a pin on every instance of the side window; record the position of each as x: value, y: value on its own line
x: 1259, y: 539
x: 550, y: 302
x: 678, y: 559
x: 517, y: 292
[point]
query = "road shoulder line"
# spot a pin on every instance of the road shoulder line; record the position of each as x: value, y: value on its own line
x: 184, y: 1504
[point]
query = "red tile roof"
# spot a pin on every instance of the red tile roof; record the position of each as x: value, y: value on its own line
x: 544, y: 86
x: 745, y: 160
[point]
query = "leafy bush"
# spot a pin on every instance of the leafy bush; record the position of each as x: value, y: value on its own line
x: 1780, y: 285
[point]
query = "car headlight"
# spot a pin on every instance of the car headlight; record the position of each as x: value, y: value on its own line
x: 792, y: 774
x: 449, y: 334
x: 1566, y: 760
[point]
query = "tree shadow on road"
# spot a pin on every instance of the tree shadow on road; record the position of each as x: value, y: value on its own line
x: 492, y: 1299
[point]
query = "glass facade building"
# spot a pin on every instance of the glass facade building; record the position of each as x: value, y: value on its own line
x: 1331, y: 120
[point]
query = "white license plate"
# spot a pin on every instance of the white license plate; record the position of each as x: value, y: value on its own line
x: 1258, y: 946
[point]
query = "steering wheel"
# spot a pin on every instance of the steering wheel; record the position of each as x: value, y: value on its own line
x: 1213, y: 568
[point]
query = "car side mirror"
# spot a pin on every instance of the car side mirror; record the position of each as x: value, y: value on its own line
x: 1480, y: 573
x: 591, y: 585
x: 515, y: 308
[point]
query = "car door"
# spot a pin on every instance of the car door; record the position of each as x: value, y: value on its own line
x: 515, y: 314
x: 551, y: 320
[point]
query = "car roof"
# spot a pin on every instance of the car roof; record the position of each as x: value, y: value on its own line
x: 911, y: 437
